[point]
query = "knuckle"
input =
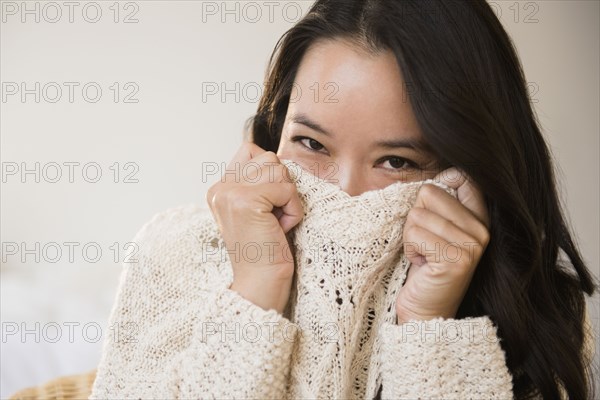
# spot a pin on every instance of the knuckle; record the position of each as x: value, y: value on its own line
x: 407, y: 223
x: 226, y: 199
x: 465, y: 266
x: 289, y: 187
x: 427, y: 191
x: 478, y: 245
x: 447, y: 226
x: 475, y: 251
x: 208, y: 197
x: 470, y: 239
x: 283, y: 175
x: 216, y: 199
x: 270, y: 156
x: 407, y: 229
x: 415, y: 213
x: 212, y: 192
x: 485, y: 236
x: 435, y: 270
x: 237, y: 199
x: 250, y: 171
x: 462, y: 263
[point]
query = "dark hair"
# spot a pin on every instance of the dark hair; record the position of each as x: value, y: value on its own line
x: 469, y: 96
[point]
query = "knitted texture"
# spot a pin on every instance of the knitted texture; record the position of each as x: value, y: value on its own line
x: 425, y: 347
x: 184, y: 334
x: 349, y: 268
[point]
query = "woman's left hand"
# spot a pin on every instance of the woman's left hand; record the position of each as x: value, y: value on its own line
x: 444, y: 239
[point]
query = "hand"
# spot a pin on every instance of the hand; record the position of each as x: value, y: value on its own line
x: 254, y: 207
x: 444, y: 239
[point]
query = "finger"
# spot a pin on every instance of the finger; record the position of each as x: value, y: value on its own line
x: 269, y: 168
x: 285, y: 197
x: 428, y: 245
x: 442, y: 203
x: 412, y: 250
x: 262, y: 167
x: 412, y: 255
x: 246, y: 152
x: 467, y: 191
x: 438, y: 225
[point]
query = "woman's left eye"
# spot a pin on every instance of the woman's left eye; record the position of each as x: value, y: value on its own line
x: 398, y: 163
x: 308, y: 143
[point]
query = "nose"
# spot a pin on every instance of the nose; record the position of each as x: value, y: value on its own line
x: 350, y: 179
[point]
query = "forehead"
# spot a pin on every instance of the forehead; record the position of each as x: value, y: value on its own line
x: 347, y: 90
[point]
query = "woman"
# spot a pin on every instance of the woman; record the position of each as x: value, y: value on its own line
x: 468, y: 108
x: 367, y: 94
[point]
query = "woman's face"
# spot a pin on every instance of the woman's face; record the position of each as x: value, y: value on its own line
x: 349, y: 120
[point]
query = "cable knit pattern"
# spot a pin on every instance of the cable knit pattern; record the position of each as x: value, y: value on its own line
x: 184, y: 334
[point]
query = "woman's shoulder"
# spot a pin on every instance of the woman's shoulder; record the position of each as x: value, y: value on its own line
x: 178, y: 224
x: 178, y: 247
x: 179, y: 238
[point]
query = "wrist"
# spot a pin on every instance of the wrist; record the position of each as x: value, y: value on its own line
x: 268, y: 295
x: 404, y: 316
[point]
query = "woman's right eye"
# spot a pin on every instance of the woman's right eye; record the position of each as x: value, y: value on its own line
x: 309, y: 143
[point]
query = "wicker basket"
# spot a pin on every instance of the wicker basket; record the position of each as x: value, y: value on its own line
x: 63, y: 388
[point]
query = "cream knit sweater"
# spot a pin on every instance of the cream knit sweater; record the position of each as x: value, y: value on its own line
x: 180, y: 332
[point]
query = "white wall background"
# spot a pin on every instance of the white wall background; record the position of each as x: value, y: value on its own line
x: 173, y: 51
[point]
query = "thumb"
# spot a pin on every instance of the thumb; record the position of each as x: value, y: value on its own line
x: 467, y: 192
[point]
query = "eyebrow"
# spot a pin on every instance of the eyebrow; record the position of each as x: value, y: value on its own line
x: 304, y: 120
x: 410, y: 143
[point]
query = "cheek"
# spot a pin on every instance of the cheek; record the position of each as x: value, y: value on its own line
x: 290, y: 151
x: 308, y: 161
x: 284, y: 149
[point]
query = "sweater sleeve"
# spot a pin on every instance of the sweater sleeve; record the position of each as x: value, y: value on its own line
x: 444, y: 359
x: 240, y: 351
x: 178, y: 331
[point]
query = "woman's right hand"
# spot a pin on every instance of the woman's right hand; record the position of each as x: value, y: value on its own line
x: 254, y: 207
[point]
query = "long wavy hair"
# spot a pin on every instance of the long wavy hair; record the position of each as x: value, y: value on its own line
x: 469, y: 95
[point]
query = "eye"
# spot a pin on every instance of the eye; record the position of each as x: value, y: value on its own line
x: 399, y: 164
x: 310, y: 144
